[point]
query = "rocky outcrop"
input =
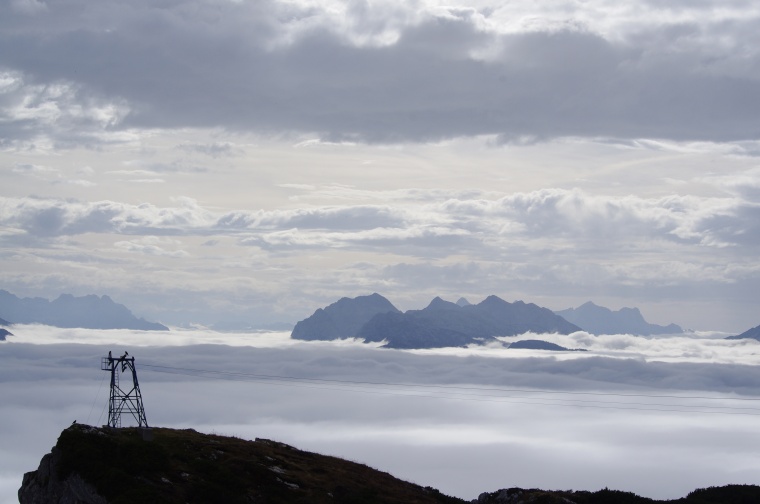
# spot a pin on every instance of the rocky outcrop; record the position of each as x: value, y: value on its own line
x: 600, y: 320
x: 44, y: 486
x: 91, y: 465
x: 729, y: 494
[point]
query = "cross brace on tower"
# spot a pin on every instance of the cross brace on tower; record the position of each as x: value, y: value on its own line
x: 121, y: 400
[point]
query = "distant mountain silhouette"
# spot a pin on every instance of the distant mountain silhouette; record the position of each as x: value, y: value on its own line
x: 90, y: 312
x: 4, y: 322
x: 532, y: 344
x: 753, y: 333
x: 4, y: 333
x: 342, y: 319
x: 600, y: 320
x: 440, y: 324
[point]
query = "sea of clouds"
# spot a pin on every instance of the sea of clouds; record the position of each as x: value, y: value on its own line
x: 658, y: 416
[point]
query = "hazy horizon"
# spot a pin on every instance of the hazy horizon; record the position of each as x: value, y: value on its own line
x: 274, y: 156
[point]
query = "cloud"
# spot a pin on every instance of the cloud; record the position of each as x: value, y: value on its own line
x: 447, y: 426
x: 539, y: 216
x: 60, y: 109
x: 152, y: 246
x: 214, y: 150
x: 390, y: 72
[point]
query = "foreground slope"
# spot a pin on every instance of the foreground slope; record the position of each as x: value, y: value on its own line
x: 90, y: 465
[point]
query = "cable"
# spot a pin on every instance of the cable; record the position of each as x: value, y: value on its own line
x: 96, y: 398
x: 452, y: 392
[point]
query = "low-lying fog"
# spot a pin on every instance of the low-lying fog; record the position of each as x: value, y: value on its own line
x: 658, y: 416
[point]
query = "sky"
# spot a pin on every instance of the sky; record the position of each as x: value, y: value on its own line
x: 659, y: 416
x: 221, y: 161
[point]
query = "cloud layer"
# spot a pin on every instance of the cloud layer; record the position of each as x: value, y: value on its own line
x: 624, y: 417
x: 385, y: 72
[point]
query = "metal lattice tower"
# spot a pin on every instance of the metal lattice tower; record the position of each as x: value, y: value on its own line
x: 121, y: 400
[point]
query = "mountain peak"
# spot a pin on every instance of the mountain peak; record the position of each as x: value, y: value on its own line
x: 441, y: 304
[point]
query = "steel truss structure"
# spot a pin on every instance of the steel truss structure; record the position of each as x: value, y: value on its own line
x: 122, y: 400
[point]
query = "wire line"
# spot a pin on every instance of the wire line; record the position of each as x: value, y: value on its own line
x: 470, y: 393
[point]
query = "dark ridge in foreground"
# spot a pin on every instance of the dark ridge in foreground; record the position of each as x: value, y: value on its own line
x: 90, y: 465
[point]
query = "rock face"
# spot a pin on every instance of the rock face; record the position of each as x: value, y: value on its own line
x: 753, y: 333
x: 342, y: 319
x: 600, y: 320
x: 48, y: 485
x: 440, y: 324
x: 89, y: 465
x: 90, y: 312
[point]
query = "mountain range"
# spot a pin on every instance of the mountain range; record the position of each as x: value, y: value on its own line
x: 90, y: 312
x: 90, y: 465
x: 441, y: 324
x: 596, y: 319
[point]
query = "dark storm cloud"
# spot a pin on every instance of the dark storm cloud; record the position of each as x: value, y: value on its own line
x: 270, y: 67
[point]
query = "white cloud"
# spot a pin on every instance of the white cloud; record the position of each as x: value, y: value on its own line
x: 153, y: 246
x: 658, y: 428
x: 396, y: 72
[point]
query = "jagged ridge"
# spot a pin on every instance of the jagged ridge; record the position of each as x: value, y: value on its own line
x: 441, y: 324
x: 90, y: 312
x: 597, y: 319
